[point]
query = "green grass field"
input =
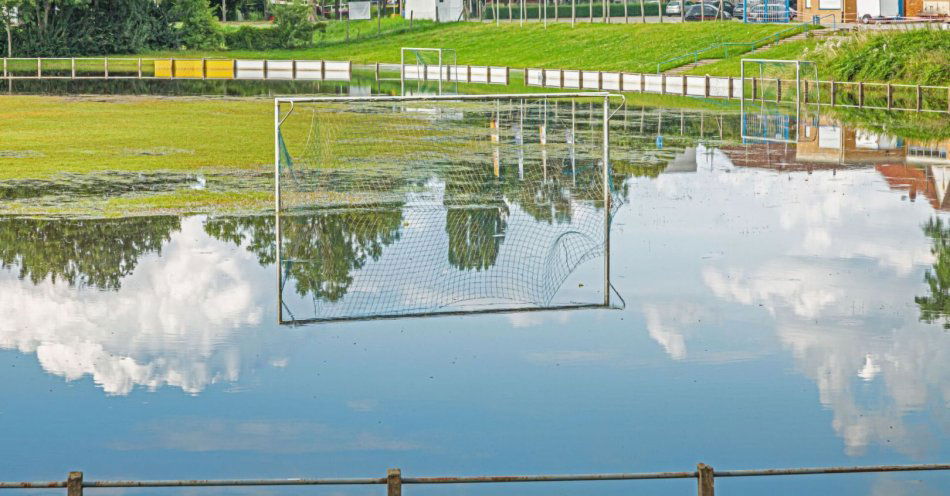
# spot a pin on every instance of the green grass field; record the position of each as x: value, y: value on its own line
x: 627, y: 47
x: 51, y: 135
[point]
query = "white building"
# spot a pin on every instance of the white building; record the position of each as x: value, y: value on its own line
x: 434, y: 10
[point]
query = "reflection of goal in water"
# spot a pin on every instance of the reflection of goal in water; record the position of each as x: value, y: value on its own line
x: 444, y: 205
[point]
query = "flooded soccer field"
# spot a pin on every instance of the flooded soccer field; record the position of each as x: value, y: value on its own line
x: 463, y: 288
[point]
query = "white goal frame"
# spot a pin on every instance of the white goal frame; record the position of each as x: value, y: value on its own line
x: 443, y: 54
x: 279, y: 118
x: 798, y: 92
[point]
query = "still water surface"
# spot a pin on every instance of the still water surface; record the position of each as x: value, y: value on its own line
x: 771, y: 305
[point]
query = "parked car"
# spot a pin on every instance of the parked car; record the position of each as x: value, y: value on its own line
x: 770, y: 13
x: 673, y: 8
x: 739, y: 11
x: 704, y: 12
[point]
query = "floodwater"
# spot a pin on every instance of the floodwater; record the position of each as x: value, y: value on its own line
x: 742, y: 302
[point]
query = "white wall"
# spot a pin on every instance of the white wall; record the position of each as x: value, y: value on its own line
x: 449, y: 10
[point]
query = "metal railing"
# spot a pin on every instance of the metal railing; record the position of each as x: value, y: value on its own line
x: 745, y: 46
x: 704, y: 474
x: 834, y: 20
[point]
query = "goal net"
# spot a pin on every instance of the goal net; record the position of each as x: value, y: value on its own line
x: 774, y: 97
x: 422, y: 65
x: 394, y: 206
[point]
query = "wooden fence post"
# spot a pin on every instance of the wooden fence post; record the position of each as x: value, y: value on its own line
x: 74, y: 484
x: 706, y: 481
x: 861, y: 94
x: 832, y: 93
x: 889, y: 96
x: 393, y: 482
x: 39, y: 67
x: 706, y: 87
x: 778, y: 90
x: 919, y: 99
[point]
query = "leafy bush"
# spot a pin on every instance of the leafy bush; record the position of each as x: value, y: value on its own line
x: 251, y: 38
x: 292, y: 25
x: 103, y: 27
x: 197, y: 27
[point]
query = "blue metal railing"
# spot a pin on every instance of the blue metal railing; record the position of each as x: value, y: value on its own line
x: 743, y: 46
x: 834, y: 20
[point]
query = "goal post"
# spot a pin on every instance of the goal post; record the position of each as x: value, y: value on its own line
x: 779, y: 81
x: 426, y: 64
x: 773, y: 96
x: 394, y: 206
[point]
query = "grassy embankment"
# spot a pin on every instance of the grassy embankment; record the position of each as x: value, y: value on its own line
x: 912, y: 57
x: 627, y: 47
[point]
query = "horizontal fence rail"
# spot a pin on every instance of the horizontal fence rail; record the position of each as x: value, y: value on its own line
x: 878, y: 96
x: 145, y: 68
x: 459, y: 73
x: 704, y: 474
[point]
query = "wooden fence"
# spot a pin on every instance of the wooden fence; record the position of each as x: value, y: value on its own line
x: 145, y: 68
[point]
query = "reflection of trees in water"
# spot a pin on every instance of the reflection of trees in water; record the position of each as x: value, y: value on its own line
x: 255, y: 233
x: 332, y: 245
x: 323, y: 249
x: 476, y: 217
x: 937, y: 306
x: 86, y: 252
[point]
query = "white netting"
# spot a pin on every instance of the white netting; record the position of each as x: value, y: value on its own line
x: 397, y: 208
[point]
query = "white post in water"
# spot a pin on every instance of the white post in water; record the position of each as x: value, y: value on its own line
x: 606, y: 200
x: 277, y: 198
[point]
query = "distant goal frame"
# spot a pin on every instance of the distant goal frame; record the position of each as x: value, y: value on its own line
x: 442, y: 52
x: 800, y: 89
x: 798, y: 78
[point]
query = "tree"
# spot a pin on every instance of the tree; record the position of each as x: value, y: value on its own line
x: 63, y: 28
x: 198, y: 30
x: 8, y: 11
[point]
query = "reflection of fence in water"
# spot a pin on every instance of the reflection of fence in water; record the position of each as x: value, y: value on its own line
x: 442, y: 207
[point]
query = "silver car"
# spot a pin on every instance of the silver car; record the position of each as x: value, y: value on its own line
x: 674, y: 7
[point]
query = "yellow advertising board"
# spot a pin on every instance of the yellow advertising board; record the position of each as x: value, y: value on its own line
x: 219, y: 69
x: 163, y: 68
x: 189, y: 69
